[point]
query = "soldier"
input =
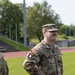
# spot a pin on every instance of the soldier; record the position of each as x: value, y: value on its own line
x: 31, y: 45
x: 45, y: 58
x: 3, y: 66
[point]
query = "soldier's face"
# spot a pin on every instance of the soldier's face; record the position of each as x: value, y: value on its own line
x: 51, y: 35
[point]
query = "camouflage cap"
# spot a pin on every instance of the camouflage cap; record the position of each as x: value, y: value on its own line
x: 50, y: 27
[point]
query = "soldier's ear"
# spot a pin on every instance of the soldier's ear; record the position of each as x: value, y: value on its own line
x: 44, y: 32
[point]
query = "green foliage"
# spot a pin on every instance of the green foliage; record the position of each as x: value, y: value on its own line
x: 11, y: 20
x: 64, y: 36
x: 68, y: 30
x: 35, y: 40
x: 74, y: 35
x: 11, y: 17
x: 72, y: 30
x: 38, y: 15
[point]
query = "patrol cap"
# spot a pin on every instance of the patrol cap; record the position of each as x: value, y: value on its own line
x: 50, y: 27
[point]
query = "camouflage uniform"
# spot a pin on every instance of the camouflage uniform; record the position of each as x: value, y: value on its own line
x: 3, y: 66
x: 44, y: 59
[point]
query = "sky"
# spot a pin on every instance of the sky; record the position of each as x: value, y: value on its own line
x: 65, y: 8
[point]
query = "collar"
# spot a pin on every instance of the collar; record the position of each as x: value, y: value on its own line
x: 47, y: 45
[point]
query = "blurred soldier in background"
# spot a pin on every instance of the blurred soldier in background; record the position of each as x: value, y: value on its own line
x: 3, y: 66
x: 31, y: 45
x: 45, y: 57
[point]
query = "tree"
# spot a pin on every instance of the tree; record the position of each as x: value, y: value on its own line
x: 67, y: 30
x: 63, y: 29
x: 11, y: 16
x: 72, y: 29
x: 3, y: 14
x: 38, y: 15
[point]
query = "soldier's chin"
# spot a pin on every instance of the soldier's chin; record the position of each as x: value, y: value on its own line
x: 54, y: 39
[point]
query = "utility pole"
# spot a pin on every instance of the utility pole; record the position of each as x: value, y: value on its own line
x: 24, y: 16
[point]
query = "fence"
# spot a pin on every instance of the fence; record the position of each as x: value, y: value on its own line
x: 65, y: 43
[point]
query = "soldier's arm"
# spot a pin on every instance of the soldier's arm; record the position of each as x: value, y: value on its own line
x: 3, y: 65
x: 6, y: 69
x: 31, y: 62
x: 60, y: 60
x: 61, y: 63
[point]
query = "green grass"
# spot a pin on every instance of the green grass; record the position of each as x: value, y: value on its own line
x: 15, y: 65
x: 69, y: 63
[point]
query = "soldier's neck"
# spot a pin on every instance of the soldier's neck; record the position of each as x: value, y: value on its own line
x: 48, y: 41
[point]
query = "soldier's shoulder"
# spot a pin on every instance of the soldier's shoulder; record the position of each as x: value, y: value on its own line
x: 39, y: 45
x: 36, y: 49
x: 55, y: 45
x: 1, y: 56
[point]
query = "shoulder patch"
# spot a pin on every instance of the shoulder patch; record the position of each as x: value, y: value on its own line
x: 35, y: 51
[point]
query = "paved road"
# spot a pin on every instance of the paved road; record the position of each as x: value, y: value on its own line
x: 24, y: 53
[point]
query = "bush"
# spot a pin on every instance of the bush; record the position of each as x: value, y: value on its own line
x: 64, y: 36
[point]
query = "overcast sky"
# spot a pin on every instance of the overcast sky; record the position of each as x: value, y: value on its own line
x: 65, y: 8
